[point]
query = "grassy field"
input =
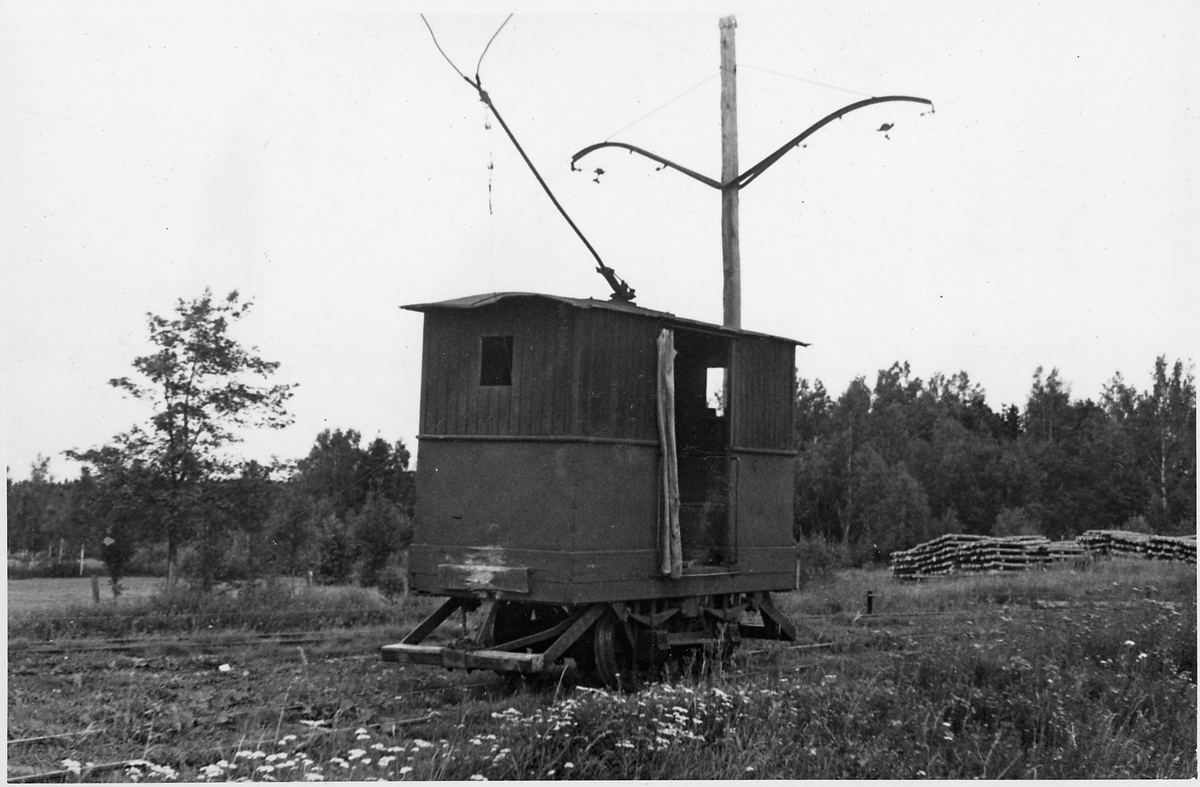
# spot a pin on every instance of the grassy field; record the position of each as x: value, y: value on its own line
x: 50, y: 595
x: 1039, y: 675
x: 283, y: 604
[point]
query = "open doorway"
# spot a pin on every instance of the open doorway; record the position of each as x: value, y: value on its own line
x: 702, y: 447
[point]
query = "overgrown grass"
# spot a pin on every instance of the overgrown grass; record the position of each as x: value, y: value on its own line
x: 264, y: 607
x: 845, y: 591
x: 1080, y: 700
x: 1007, y: 684
x: 50, y: 596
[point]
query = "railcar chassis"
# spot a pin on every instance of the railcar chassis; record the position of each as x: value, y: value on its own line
x: 615, y: 642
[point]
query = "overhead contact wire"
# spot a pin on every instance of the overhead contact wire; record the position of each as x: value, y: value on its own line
x: 708, y: 78
x: 802, y: 79
x: 487, y: 46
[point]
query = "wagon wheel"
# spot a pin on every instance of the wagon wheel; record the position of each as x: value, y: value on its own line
x: 614, y: 660
x: 514, y: 619
x: 509, y: 621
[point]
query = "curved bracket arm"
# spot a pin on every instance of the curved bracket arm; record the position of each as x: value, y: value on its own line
x: 632, y: 149
x: 749, y: 175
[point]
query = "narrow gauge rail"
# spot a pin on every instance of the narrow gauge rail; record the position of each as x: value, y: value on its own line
x: 84, y: 645
x: 861, y: 623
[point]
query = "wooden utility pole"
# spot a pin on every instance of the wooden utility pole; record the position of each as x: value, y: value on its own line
x: 730, y: 254
x: 731, y: 180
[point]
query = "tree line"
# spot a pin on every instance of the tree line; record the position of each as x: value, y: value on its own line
x: 885, y: 468
x: 877, y: 469
x: 343, y: 513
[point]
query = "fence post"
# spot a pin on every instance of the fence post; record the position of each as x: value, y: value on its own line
x: 870, y: 601
x: 95, y: 589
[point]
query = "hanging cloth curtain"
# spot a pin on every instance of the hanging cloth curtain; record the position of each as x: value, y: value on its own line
x: 669, y: 541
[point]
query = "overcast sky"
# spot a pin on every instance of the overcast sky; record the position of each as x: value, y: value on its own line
x: 332, y: 166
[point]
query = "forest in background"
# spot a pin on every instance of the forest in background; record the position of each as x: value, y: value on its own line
x: 344, y: 513
x: 878, y: 469
x: 885, y: 468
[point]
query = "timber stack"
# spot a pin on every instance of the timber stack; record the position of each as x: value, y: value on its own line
x: 960, y: 553
x: 1124, y: 543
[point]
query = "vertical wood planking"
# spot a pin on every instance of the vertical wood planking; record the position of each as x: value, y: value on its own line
x: 480, y: 397
x: 616, y: 395
x: 587, y: 372
x: 787, y: 371
x: 525, y: 348
x: 465, y: 367
x: 763, y: 393
x: 428, y: 377
x: 598, y: 360
x: 560, y: 382
x: 534, y: 380
x: 619, y: 387
x: 641, y: 407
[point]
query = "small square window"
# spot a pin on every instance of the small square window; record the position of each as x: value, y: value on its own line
x: 495, y: 365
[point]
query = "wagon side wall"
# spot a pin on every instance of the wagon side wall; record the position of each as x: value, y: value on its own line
x: 539, y: 400
x: 763, y: 525
x: 763, y: 409
x: 555, y: 477
x: 763, y: 395
x: 564, y: 511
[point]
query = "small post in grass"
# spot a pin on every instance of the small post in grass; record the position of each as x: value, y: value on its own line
x: 870, y: 601
x: 95, y: 588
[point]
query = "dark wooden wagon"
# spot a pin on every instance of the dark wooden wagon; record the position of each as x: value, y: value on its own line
x: 614, y: 482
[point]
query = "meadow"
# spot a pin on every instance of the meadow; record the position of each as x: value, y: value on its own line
x: 1045, y: 674
x: 53, y: 595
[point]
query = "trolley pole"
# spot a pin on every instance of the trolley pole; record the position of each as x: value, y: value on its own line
x: 730, y: 253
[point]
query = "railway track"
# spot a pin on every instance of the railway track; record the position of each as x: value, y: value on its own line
x: 859, y: 623
x: 85, y: 645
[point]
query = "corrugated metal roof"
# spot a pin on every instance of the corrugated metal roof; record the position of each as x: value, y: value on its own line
x: 490, y: 299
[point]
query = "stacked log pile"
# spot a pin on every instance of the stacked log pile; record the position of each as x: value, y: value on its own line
x: 1067, y: 551
x: 1124, y: 543
x: 959, y: 553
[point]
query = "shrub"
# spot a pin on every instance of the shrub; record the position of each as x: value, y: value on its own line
x: 335, y: 551
x: 379, y: 529
x: 53, y: 569
x: 149, y: 560
x: 393, y: 578
x: 818, y: 558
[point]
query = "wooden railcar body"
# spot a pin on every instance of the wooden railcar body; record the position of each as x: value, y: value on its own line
x: 540, y: 468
